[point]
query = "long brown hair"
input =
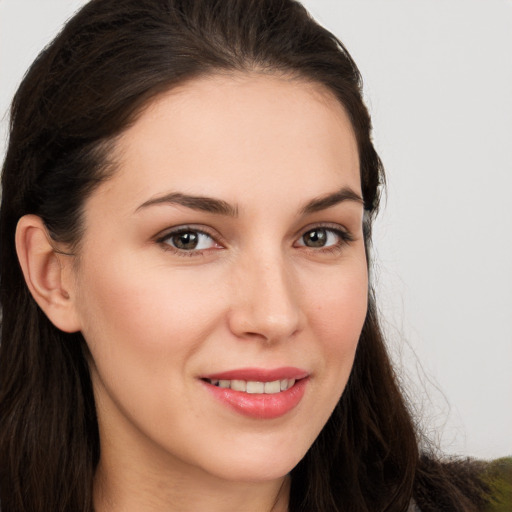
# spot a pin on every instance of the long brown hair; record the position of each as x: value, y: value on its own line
x: 83, y: 90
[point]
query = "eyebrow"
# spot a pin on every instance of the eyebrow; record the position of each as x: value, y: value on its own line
x: 220, y: 207
x: 329, y: 200
x: 201, y: 203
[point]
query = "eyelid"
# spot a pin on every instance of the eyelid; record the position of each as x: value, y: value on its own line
x: 338, y: 228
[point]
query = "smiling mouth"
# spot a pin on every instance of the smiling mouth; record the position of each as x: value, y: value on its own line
x: 259, y: 393
x: 253, y: 387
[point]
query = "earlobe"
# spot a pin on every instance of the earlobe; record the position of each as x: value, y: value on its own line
x: 47, y: 273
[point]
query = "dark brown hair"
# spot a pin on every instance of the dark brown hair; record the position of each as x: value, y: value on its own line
x: 83, y: 90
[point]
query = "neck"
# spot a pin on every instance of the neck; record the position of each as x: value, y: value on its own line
x: 138, y: 488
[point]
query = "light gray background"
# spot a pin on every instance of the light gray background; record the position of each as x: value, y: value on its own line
x: 438, y: 81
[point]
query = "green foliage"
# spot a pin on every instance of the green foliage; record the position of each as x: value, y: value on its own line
x: 498, y: 475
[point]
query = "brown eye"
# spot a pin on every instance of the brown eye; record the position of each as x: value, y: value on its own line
x: 189, y: 240
x: 186, y: 241
x: 315, y: 238
x: 324, y: 237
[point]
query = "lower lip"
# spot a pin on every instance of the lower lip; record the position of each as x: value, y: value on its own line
x: 260, y: 405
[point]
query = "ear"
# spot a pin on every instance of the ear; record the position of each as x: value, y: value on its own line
x: 48, y: 273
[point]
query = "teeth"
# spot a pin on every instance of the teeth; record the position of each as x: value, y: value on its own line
x: 239, y: 385
x: 272, y: 387
x: 291, y: 382
x: 255, y: 387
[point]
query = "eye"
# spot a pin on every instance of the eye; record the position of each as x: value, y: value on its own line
x: 187, y: 239
x: 321, y: 237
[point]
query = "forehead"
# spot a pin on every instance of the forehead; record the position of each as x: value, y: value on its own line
x: 239, y: 134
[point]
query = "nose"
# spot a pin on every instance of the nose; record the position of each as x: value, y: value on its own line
x: 266, y: 300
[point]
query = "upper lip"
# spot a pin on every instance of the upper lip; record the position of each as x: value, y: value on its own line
x: 259, y: 374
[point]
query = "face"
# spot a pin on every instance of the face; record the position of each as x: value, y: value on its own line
x: 222, y: 282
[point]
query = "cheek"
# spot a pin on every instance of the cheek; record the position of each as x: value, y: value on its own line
x: 145, y: 303
x: 137, y: 318
x: 337, y: 314
x: 338, y: 307
x: 143, y: 326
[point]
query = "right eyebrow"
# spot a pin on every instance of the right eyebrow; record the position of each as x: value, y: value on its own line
x: 201, y: 203
x: 329, y: 200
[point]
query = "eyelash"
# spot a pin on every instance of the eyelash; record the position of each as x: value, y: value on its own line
x: 344, y: 238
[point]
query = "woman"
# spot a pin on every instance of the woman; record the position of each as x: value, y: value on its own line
x: 189, y: 191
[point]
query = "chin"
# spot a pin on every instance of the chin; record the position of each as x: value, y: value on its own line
x: 256, y: 465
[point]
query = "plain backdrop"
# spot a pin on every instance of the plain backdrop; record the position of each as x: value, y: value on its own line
x: 438, y: 83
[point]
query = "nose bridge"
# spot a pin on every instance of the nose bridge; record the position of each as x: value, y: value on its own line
x: 267, y: 304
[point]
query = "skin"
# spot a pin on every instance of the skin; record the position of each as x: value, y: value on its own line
x: 157, y: 318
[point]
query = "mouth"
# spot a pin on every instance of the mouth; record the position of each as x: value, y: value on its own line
x: 257, y: 393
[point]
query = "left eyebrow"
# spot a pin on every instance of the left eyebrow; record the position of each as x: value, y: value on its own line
x: 329, y: 200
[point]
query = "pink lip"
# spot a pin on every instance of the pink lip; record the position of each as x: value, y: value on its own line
x: 260, y: 405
